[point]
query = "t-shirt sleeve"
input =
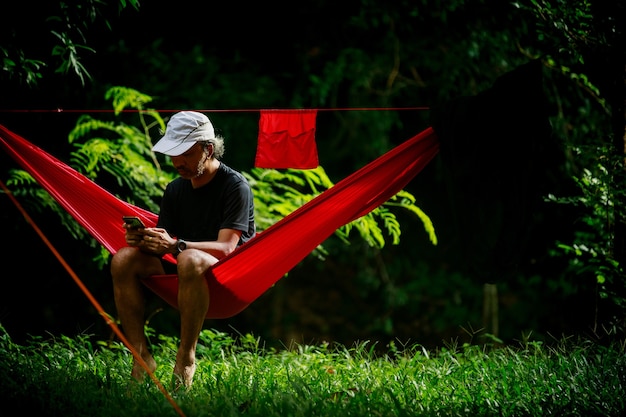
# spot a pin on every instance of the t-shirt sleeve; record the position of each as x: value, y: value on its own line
x: 236, y: 206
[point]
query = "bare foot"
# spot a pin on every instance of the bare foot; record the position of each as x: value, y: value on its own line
x: 139, y: 372
x: 183, y: 375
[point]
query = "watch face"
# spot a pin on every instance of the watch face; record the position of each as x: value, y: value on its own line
x: 181, y: 245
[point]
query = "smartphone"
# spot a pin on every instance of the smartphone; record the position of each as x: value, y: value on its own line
x: 134, y: 221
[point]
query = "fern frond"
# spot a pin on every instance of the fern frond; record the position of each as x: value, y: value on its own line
x: 391, y: 224
x: 20, y: 178
x: 123, y: 97
x: 426, y: 221
x: 87, y: 125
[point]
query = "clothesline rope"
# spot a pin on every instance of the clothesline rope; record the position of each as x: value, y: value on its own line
x: 61, y: 110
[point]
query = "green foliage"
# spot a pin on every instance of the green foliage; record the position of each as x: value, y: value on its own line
x: 68, y: 23
x: 591, y: 251
x: 575, y: 37
x: 123, y: 98
x: 18, y: 66
x: 565, y: 26
x: 590, y: 254
x: 279, y: 193
x: 68, y: 52
x: 582, y: 81
x: 406, y: 200
x: 237, y: 376
x: 124, y: 152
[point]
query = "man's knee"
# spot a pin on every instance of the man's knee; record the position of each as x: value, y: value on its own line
x: 122, y: 257
x: 194, y: 262
x: 130, y: 261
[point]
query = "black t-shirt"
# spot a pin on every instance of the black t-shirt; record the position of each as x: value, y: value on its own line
x: 197, y: 215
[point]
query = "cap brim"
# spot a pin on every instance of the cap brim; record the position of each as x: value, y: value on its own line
x: 172, y: 148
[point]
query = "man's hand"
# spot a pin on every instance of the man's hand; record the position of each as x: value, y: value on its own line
x: 134, y: 235
x: 157, y: 241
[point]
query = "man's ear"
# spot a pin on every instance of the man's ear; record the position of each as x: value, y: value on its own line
x: 208, y: 148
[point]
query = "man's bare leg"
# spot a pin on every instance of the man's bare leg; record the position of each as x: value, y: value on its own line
x: 130, y: 303
x: 193, y: 302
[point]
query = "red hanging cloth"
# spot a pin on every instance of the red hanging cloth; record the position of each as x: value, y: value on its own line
x: 287, y: 139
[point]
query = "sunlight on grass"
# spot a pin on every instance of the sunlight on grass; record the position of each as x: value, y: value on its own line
x: 64, y: 376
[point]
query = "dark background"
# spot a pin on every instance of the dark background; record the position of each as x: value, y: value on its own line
x: 265, y: 56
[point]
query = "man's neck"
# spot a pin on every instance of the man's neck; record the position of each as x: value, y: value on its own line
x: 212, y: 167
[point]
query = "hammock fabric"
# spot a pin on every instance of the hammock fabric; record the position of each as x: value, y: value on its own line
x: 240, y: 278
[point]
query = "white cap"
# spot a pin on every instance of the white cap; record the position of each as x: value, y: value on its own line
x: 184, y: 129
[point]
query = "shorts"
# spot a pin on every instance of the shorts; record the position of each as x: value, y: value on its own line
x: 169, y: 267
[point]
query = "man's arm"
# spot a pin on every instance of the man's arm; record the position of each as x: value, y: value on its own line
x: 226, y: 242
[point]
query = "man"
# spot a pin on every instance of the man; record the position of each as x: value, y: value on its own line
x: 205, y: 214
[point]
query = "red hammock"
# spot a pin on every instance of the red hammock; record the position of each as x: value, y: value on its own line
x: 239, y: 279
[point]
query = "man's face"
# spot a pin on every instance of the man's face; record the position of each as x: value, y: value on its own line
x: 191, y: 163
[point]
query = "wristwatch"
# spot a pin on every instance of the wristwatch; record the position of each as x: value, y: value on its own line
x: 181, y: 245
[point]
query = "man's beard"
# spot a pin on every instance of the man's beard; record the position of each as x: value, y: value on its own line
x: 201, y: 168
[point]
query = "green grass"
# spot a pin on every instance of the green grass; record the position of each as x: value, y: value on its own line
x: 239, y: 377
